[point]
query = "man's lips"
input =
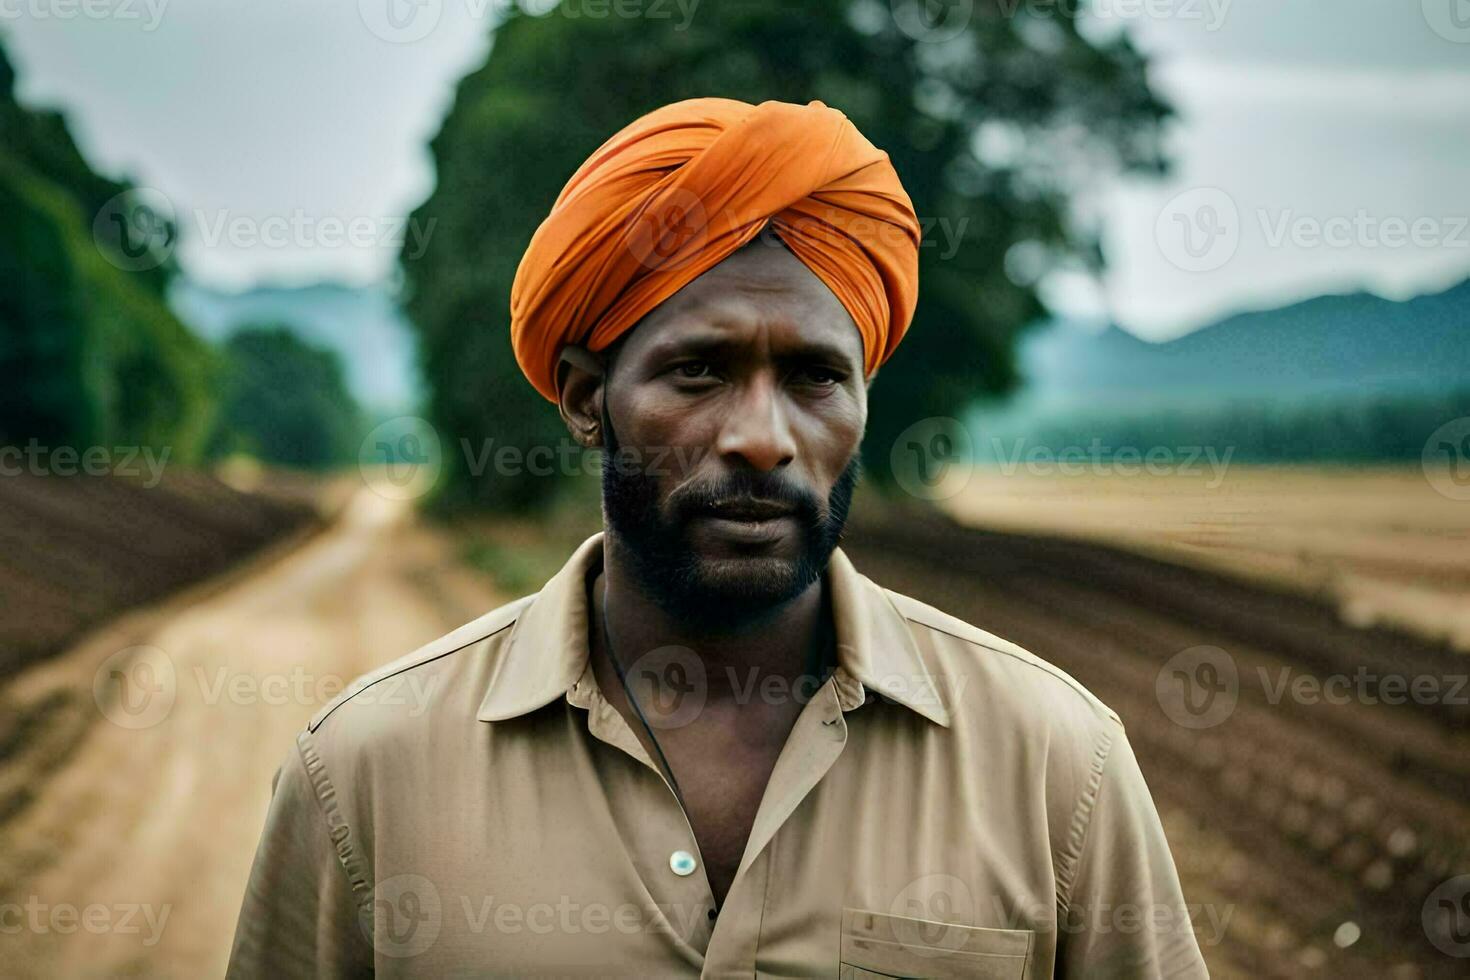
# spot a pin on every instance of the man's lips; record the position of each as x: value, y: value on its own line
x: 748, y: 510
x: 748, y: 521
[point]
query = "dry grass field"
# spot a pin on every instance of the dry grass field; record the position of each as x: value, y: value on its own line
x: 1381, y: 545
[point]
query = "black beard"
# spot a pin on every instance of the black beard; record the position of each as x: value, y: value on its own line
x: 729, y: 594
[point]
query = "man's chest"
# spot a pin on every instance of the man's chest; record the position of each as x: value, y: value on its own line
x: 584, y: 866
x: 721, y: 793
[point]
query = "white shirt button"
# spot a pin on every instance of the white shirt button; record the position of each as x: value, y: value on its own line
x: 682, y: 863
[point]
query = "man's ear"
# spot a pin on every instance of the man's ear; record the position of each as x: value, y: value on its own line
x: 579, y: 379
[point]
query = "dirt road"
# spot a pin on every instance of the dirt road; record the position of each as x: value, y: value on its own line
x: 132, y: 860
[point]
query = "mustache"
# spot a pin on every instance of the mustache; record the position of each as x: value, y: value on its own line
x: 700, y: 498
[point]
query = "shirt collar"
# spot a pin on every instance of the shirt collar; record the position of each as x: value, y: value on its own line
x: 546, y: 653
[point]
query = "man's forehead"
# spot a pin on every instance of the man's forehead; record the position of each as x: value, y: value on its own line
x: 761, y: 289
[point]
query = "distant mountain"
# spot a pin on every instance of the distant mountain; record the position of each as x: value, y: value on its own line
x: 1330, y: 344
x: 361, y: 323
x: 1348, y: 378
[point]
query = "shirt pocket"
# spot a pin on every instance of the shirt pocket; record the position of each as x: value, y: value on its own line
x: 875, y: 944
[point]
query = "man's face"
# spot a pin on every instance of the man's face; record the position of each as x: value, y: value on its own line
x: 736, y: 409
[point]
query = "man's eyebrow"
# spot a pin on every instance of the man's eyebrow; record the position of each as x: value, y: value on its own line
x: 821, y: 350
x: 693, y: 342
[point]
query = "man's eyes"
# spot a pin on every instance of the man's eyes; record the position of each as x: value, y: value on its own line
x: 824, y: 377
x: 815, y: 375
x: 694, y: 370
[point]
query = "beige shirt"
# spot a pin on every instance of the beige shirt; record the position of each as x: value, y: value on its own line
x: 946, y: 805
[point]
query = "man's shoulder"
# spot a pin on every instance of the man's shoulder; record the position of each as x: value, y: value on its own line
x: 988, y: 677
x: 418, y: 683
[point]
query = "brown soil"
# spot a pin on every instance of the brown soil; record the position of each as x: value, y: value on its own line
x: 77, y: 550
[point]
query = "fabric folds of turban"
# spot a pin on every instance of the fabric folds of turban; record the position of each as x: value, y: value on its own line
x: 682, y: 188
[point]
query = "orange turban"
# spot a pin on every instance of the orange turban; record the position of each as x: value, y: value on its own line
x: 680, y: 189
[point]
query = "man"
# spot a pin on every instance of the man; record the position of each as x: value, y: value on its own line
x: 709, y: 746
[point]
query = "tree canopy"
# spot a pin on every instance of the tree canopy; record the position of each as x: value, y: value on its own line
x: 285, y: 401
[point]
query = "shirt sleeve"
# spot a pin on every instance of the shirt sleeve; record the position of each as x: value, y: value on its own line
x: 300, y: 914
x: 1125, y: 916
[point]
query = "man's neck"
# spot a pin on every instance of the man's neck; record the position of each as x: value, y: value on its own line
x: 792, y: 641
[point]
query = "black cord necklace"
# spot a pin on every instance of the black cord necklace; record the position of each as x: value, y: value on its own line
x: 633, y: 700
x: 610, y: 445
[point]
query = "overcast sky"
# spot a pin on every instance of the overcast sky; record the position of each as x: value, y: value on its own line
x: 1322, y: 144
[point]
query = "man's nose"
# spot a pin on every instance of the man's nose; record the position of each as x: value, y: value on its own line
x: 758, y: 429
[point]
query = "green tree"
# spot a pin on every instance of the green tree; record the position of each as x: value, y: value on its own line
x: 992, y: 130
x: 90, y: 353
x: 285, y: 401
